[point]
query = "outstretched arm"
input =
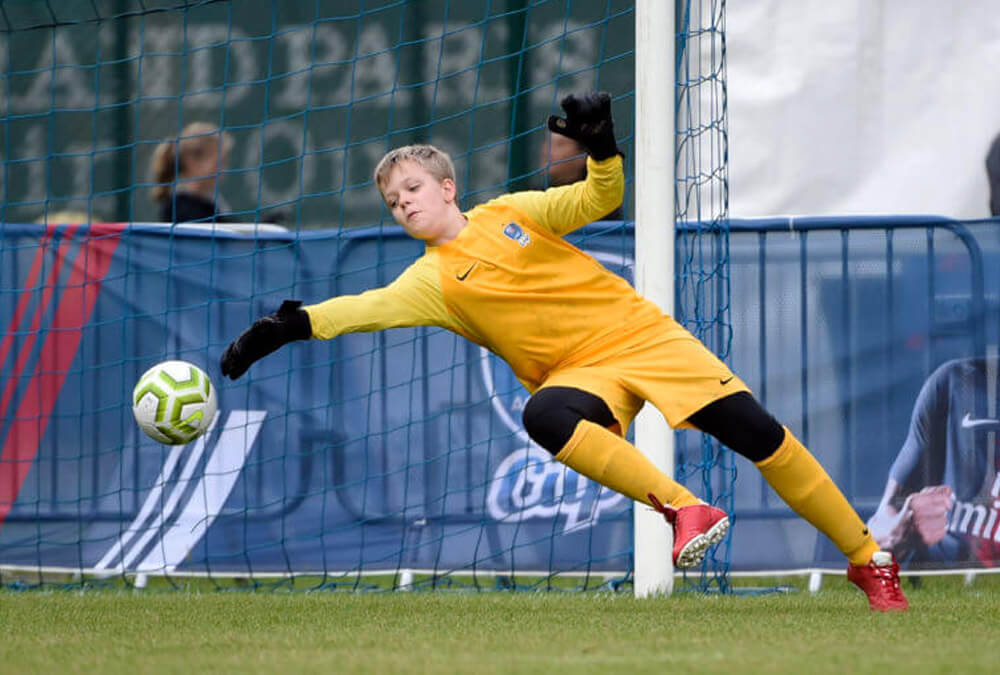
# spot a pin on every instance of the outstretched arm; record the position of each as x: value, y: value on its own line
x: 564, y: 209
x: 913, y: 512
x: 413, y: 299
x: 266, y: 335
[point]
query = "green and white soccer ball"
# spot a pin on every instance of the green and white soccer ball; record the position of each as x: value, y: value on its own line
x: 174, y: 402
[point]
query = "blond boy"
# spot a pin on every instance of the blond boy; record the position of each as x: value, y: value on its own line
x: 581, y: 340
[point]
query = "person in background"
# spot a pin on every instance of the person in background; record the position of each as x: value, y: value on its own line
x: 993, y: 173
x: 565, y: 162
x: 186, y: 173
x: 941, y: 500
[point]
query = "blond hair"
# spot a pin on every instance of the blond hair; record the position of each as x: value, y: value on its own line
x: 435, y: 161
x: 197, y: 140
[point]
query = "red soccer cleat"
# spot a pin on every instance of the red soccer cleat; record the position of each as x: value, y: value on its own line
x: 879, y: 579
x: 695, y: 529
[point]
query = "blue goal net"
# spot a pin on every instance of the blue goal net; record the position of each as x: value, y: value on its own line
x: 392, y: 459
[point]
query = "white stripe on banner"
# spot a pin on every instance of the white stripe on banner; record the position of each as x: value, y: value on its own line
x: 168, y: 508
x: 152, y: 502
x: 217, y: 481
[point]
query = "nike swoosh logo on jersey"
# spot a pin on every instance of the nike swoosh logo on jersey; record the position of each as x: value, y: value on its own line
x: 463, y: 275
x: 969, y: 423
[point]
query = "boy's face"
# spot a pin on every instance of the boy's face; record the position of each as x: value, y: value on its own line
x: 418, y: 201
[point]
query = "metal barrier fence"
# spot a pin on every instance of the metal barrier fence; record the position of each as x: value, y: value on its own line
x: 837, y: 323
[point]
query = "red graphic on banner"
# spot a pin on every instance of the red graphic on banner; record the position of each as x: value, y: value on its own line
x: 62, y: 340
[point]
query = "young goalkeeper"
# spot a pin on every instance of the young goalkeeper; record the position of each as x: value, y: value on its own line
x: 580, y: 339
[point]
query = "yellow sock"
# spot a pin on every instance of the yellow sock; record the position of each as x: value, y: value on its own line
x: 609, y: 459
x: 800, y: 480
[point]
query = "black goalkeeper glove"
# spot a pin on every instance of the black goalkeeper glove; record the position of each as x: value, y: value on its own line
x: 264, y: 336
x: 588, y: 122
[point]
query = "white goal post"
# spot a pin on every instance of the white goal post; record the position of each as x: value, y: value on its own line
x: 654, y: 259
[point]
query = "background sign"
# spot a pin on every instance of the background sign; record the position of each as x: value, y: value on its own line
x: 403, y: 449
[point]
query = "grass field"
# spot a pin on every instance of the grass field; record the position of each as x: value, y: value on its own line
x: 952, y: 628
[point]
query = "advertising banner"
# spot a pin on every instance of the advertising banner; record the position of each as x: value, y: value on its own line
x: 875, y: 341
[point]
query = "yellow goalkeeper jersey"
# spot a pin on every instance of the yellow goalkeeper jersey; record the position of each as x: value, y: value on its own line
x: 509, y: 282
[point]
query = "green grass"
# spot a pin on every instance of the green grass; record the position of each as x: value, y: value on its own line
x: 951, y: 629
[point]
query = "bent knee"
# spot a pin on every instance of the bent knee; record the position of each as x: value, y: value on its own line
x: 533, y: 415
x: 552, y: 414
x: 742, y: 424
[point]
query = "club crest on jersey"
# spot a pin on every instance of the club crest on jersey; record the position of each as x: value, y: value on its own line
x: 515, y: 232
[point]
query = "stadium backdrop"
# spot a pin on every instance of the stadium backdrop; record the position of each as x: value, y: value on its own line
x: 403, y: 450
x: 400, y: 450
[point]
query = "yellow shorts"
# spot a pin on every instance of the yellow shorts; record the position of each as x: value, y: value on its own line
x: 665, y: 365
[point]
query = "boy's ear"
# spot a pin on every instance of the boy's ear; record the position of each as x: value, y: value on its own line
x: 450, y: 189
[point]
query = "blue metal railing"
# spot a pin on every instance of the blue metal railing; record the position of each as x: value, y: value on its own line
x: 794, y: 278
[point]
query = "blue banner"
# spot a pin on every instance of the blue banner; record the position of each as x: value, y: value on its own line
x: 404, y: 449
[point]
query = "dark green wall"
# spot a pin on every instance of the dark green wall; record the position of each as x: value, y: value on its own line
x: 313, y: 93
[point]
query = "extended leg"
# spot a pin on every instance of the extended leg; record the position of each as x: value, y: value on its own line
x: 574, y: 425
x: 741, y: 423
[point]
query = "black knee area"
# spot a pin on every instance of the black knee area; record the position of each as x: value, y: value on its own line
x: 741, y: 423
x: 551, y: 415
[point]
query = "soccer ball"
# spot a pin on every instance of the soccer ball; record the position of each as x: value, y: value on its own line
x: 174, y: 402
